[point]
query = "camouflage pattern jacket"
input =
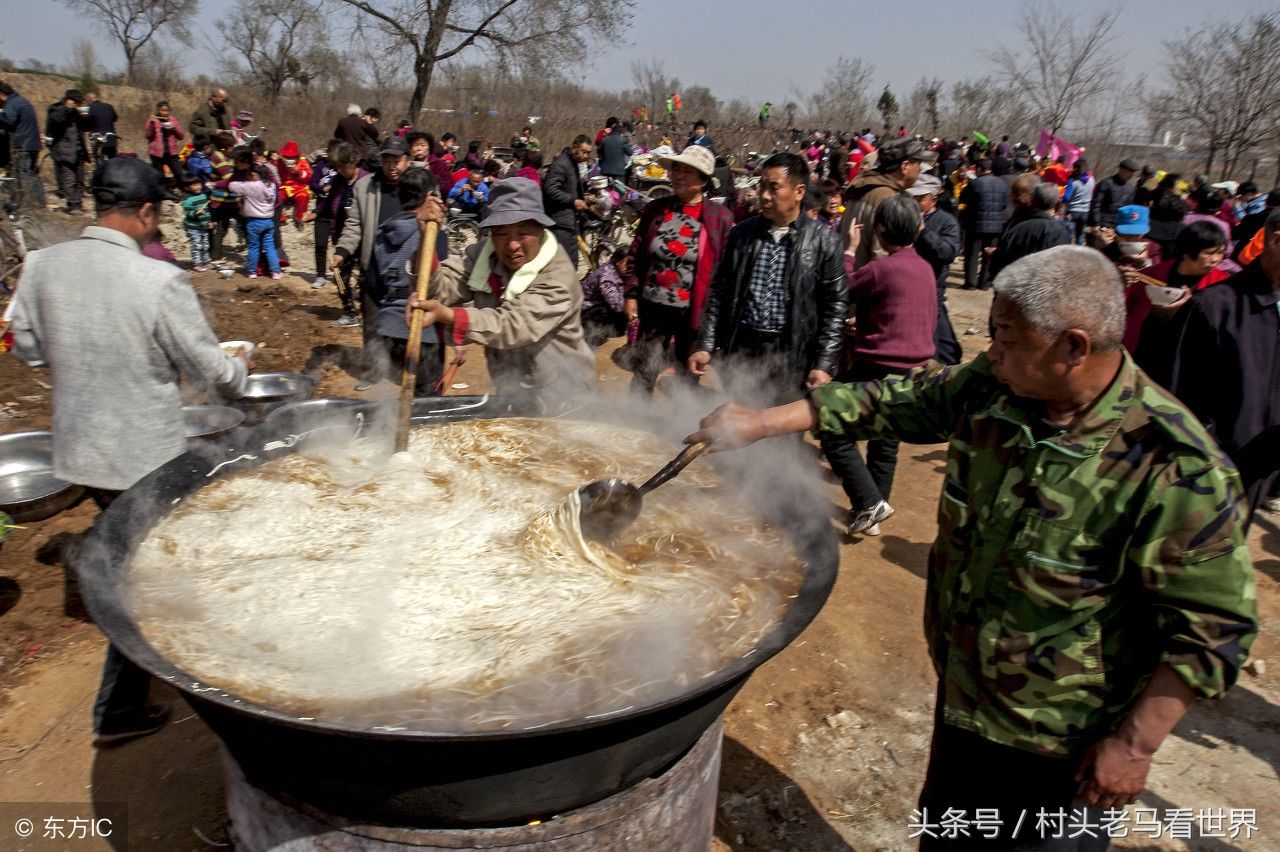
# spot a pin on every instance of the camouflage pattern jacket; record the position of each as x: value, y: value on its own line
x: 1066, y: 569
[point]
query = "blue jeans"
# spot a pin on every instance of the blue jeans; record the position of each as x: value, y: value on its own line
x: 261, y: 236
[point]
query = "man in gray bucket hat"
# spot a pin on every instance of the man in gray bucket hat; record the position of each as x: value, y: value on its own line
x: 525, y: 300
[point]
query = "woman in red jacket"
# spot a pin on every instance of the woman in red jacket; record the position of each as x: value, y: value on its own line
x: 678, y: 243
x: 163, y: 134
x: 1151, y: 332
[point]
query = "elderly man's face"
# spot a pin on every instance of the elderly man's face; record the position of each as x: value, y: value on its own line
x: 219, y: 98
x: 517, y: 244
x: 1027, y: 361
x: 581, y: 153
x: 394, y: 165
x: 910, y: 173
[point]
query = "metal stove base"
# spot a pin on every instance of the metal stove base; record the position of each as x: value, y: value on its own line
x: 672, y: 812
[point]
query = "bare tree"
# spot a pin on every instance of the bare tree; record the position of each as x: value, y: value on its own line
x: 135, y: 23
x: 653, y: 85
x: 700, y: 103
x: 84, y: 65
x: 1224, y: 87
x: 843, y: 101
x: 982, y: 102
x: 887, y: 106
x: 923, y: 111
x: 1064, y: 61
x: 279, y: 44
x: 432, y: 31
x: 160, y: 68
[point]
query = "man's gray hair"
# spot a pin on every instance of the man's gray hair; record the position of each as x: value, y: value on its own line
x: 1044, y: 196
x: 1067, y: 287
x: 354, y: 109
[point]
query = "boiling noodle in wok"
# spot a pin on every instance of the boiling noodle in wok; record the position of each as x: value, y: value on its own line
x: 449, y: 589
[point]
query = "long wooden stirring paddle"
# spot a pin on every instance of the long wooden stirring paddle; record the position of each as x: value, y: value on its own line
x: 426, y: 260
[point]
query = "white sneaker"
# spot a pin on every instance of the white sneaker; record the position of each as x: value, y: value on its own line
x: 319, y: 283
x: 866, y: 520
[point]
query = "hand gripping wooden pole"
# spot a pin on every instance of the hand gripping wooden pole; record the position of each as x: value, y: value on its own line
x: 412, y: 350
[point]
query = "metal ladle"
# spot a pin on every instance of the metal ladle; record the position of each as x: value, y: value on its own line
x: 608, y: 506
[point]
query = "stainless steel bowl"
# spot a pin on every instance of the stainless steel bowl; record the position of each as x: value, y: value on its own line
x: 265, y: 392
x: 317, y: 419
x: 28, y: 489
x: 206, y: 422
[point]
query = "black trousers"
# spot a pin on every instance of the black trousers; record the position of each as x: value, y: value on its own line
x: 323, y: 228
x: 170, y: 160
x: 967, y: 772
x: 865, y: 482
x: 600, y: 322
x: 122, y: 693
x: 223, y: 217
x: 766, y: 356
x: 976, y: 261
x: 25, y: 165
x: 665, y: 339
x: 946, y: 348
x: 373, y: 357
x: 71, y: 182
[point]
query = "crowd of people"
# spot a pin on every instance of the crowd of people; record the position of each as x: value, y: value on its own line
x: 1106, y: 453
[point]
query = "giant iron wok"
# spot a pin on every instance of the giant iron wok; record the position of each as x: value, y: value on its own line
x: 420, y: 778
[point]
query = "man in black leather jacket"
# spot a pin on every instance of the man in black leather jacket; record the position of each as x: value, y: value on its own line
x: 779, y: 298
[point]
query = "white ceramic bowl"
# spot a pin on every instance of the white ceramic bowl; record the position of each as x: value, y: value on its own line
x: 231, y: 347
x: 1161, y: 296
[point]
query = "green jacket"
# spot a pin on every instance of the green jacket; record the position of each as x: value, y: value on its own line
x: 1066, y: 569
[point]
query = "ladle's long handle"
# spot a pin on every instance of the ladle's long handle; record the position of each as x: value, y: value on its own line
x: 676, y: 465
x: 408, y: 379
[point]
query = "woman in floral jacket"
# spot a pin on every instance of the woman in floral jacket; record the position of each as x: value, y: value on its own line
x: 673, y: 259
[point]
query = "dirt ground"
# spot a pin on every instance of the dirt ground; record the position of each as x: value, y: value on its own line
x: 825, y: 745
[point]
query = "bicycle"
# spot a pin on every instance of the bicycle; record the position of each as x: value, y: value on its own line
x: 19, y: 233
x: 100, y: 143
x: 462, y: 229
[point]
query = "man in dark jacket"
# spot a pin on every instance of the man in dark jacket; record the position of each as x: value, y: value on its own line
x: 66, y: 126
x: 1112, y: 194
x: 939, y: 245
x: 615, y: 153
x: 358, y: 130
x: 211, y: 116
x: 898, y: 166
x: 1253, y: 222
x: 562, y: 194
x: 102, y: 124
x: 779, y: 298
x: 1227, y: 368
x: 18, y: 117
x: 984, y: 200
x: 1037, y: 232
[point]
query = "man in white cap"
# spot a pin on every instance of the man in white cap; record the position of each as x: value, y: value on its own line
x: 939, y: 245
x: 525, y: 300
x: 679, y: 241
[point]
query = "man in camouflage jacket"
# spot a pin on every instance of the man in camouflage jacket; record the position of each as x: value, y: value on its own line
x: 1089, y: 579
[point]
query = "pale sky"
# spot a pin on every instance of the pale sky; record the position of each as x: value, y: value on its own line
x: 751, y: 49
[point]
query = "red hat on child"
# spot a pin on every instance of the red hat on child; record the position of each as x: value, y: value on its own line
x: 289, y: 150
